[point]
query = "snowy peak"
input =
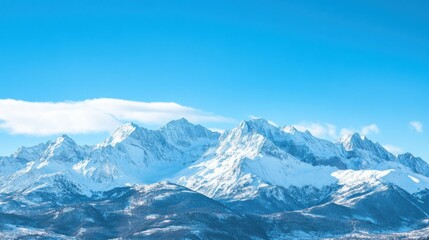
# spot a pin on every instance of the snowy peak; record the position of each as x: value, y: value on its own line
x: 416, y: 164
x: 178, y: 132
x: 300, y: 136
x: 354, y: 141
x: 290, y: 129
x: 28, y: 154
x: 184, y: 126
x: 182, y: 133
x: 277, y: 134
x: 134, y: 154
x: 120, y: 134
x: 301, y: 145
x: 175, y: 135
x: 257, y: 126
x: 64, y: 140
x: 62, y: 144
x: 181, y: 122
x: 282, y: 178
x: 248, y: 138
x: 261, y: 125
x: 63, y: 149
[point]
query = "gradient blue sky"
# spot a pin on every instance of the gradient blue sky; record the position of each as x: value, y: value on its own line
x: 346, y: 63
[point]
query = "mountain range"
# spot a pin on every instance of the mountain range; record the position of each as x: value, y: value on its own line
x: 183, y: 181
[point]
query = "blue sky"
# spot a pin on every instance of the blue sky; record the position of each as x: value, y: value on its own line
x: 315, y: 64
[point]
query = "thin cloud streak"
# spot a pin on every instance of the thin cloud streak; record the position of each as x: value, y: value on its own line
x: 366, y: 130
x: 417, y: 126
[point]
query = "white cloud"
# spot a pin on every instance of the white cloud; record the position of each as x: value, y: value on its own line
x: 93, y: 115
x: 320, y: 130
x: 416, y: 125
x: 329, y: 131
x: 346, y: 131
x: 366, y: 130
x: 253, y: 117
x: 393, y: 149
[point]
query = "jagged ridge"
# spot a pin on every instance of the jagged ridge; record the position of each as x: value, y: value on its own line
x: 255, y: 168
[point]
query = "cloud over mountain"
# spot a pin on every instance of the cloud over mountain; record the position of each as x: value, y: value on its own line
x: 92, y: 115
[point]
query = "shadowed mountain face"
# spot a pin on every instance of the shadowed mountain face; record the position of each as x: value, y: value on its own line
x: 158, y: 211
x: 256, y: 181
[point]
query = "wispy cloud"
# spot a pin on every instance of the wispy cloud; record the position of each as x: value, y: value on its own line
x: 393, y: 149
x: 93, y: 115
x: 346, y: 131
x: 320, y: 130
x: 331, y: 132
x: 416, y: 125
x: 253, y: 117
x: 366, y: 130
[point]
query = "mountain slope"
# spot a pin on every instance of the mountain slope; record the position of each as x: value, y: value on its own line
x: 252, y: 170
x: 255, y: 181
x: 137, y: 155
x: 248, y: 166
x: 131, y: 155
x: 158, y: 211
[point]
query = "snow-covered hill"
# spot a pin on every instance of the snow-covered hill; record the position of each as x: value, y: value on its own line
x: 265, y: 172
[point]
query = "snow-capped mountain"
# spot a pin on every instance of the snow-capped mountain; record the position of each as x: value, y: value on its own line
x: 255, y: 174
x: 131, y: 155
x: 248, y: 165
x: 138, y: 155
x: 254, y: 165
